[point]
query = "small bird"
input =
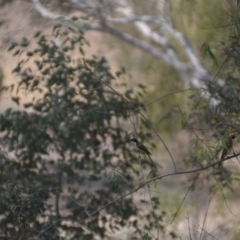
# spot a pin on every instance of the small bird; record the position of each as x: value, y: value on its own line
x: 227, y: 148
x: 140, y: 147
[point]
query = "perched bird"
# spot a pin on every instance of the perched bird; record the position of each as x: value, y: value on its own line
x: 228, y: 144
x: 140, y: 147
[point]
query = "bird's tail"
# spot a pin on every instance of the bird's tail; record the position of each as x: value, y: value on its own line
x: 151, y: 160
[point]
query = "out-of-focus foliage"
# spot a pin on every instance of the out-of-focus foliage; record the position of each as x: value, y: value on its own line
x: 206, y: 50
x: 215, y: 121
x: 62, y: 141
x: 200, y: 22
x: 222, y: 114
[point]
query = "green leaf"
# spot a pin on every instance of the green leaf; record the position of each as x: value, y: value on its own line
x: 81, y: 51
x: 29, y: 54
x: 118, y: 73
x: 37, y: 34
x: 141, y: 86
x: 24, y: 42
x: 12, y: 46
x: 206, y: 50
x: 74, y: 18
x: 152, y: 174
x: 146, y: 236
x: 16, y: 52
x: 27, y: 105
x: 57, y: 26
x: 16, y: 100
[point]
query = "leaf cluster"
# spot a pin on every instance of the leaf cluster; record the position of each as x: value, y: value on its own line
x: 66, y: 139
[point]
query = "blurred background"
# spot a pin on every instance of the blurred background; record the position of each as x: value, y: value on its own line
x: 176, y: 63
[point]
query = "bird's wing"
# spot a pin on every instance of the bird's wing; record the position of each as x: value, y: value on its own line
x: 145, y: 149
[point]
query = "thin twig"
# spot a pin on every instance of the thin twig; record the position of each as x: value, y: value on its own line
x: 160, y: 138
x: 224, y: 198
x: 205, y: 217
x: 189, y: 232
x: 169, y: 94
x: 175, y: 215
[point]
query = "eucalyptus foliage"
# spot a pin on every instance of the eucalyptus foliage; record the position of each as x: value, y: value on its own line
x: 64, y: 152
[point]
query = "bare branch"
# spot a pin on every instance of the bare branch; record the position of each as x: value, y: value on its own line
x: 45, y: 12
x: 154, y: 179
x: 192, y: 72
x: 205, y: 217
x: 141, y: 186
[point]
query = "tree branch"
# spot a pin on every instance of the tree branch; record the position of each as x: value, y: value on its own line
x: 158, y: 178
x: 193, y: 72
